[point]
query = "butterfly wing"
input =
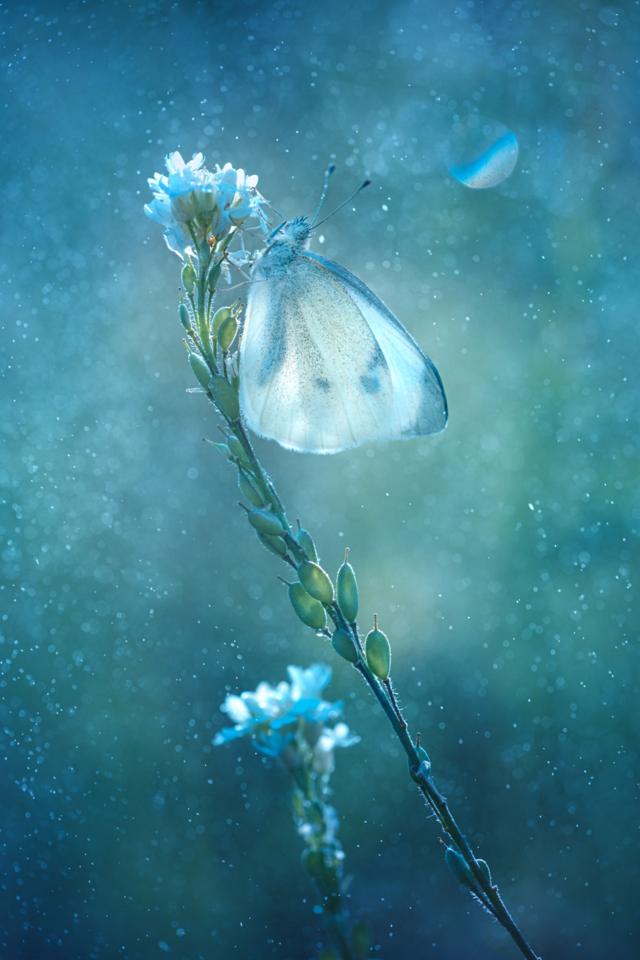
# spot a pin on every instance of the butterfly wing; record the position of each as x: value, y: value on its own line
x: 326, y: 366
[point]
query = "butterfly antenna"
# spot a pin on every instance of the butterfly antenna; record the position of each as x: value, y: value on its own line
x: 325, y: 187
x: 343, y: 204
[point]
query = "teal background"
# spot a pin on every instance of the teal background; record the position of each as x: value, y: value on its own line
x: 499, y: 556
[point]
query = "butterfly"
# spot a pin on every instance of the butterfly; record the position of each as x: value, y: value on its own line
x: 324, y: 364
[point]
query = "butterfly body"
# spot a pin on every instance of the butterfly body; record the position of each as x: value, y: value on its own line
x: 324, y: 364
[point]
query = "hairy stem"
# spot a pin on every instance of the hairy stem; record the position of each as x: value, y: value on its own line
x: 419, y: 766
x: 419, y: 769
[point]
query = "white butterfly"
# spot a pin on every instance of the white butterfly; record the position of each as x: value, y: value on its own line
x: 324, y: 364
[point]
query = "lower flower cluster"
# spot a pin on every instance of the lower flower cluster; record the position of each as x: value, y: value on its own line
x: 295, y: 724
x: 275, y: 718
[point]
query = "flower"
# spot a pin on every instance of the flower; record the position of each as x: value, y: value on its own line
x: 192, y: 203
x: 273, y: 716
x: 329, y: 739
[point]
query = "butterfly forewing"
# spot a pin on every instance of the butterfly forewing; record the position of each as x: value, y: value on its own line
x: 419, y: 397
x: 325, y: 366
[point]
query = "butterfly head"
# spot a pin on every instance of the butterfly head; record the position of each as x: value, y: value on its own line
x: 292, y: 232
x: 284, y: 244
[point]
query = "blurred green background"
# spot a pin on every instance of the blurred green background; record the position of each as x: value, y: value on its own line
x: 499, y: 556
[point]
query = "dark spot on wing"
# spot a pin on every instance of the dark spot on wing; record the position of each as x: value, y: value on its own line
x: 377, y: 360
x: 370, y: 384
x: 323, y: 384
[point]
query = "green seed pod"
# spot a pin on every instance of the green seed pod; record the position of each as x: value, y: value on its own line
x: 200, y: 369
x: 378, y: 650
x: 265, y: 522
x: 274, y: 545
x: 188, y: 277
x: 227, y: 332
x: 344, y: 646
x: 347, y: 590
x: 222, y: 314
x: 226, y: 398
x: 316, y: 581
x: 310, y: 611
x: 305, y: 540
x: 238, y: 451
x: 248, y: 490
x: 458, y: 866
x: 185, y: 316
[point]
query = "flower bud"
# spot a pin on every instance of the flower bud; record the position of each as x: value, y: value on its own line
x: 310, y: 611
x: 378, y: 650
x: 188, y: 277
x: 274, y: 544
x: 343, y: 645
x: 185, y: 316
x: 227, y: 332
x: 222, y: 314
x: 347, y: 590
x: 201, y: 370
x: 316, y: 581
x: 305, y: 540
x: 248, y: 489
x: 225, y: 397
x: 265, y: 522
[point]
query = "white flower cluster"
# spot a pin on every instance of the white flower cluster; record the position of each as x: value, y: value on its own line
x: 273, y: 717
x: 193, y: 204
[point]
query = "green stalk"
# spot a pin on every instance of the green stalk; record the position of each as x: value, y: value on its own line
x: 419, y: 770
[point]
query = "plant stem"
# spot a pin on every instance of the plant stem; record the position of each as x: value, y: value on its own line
x: 335, y: 925
x: 419, y: 767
